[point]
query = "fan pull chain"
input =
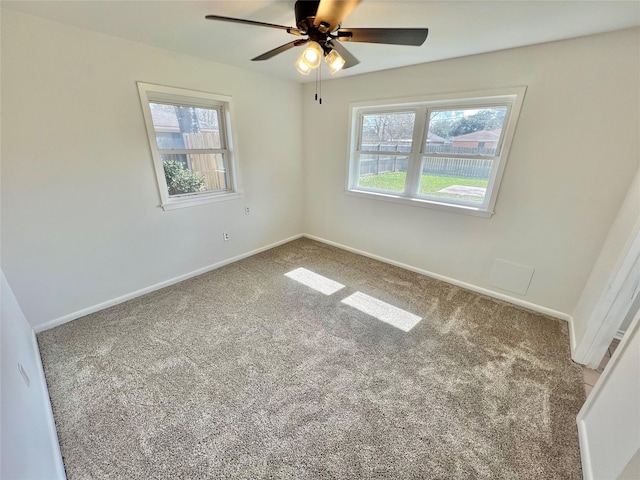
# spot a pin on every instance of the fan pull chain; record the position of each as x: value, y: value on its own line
x: 319, y: 84
x: 320, y: 77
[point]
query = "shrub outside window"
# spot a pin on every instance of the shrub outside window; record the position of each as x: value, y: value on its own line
x: 190, y: 138
x: 446, y: 152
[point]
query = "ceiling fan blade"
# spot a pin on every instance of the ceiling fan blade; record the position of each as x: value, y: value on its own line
x: 392, y: 36
x: 349, y: 60
x: 280, y: 49
x: 291, y: 30
x: 333, y: 12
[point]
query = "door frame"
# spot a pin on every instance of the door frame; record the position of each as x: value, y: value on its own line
x: 614, y: 305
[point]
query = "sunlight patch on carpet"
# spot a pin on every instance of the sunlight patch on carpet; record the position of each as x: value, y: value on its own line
x: 383, y: 311
x: 313, y: 280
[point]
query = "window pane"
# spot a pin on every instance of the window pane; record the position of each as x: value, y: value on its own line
x: 195, y: 173
x: 383, y: 172
x: 185, y: 127
x: 455, y: 178
x: 388, y: 132
x: 465, y: 132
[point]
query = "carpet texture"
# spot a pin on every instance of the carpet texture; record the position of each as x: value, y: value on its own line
x: 247, y: 373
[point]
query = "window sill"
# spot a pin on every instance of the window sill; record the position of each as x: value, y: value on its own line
x: 203, y: 199
x: 419, y: 202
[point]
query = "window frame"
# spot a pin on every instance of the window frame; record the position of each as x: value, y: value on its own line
x: 150, y: 93
x: 511, y: 97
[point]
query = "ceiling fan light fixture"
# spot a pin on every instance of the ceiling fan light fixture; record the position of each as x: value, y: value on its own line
x: 302, y: 66
x: 320, y: 21
x: 312, y: 54
x: 334, y: 61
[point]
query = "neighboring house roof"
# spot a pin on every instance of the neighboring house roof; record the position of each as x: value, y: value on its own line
x: 433, y: 138
x: 479, y: 136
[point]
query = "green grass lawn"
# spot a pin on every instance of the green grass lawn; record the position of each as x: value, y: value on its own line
x: 429, y: 184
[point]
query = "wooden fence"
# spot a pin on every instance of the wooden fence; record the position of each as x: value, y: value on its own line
x: 380, y: 164
x: 448, y: 148
x: 210, y: 165
x: 444, y: 167
x: 457, y: 167
x: 441, y: 166
x: 387, y: 147
x: 441, y: 148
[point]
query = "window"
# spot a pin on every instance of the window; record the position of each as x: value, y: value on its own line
x: 191, y: 144
x: 446, y: 153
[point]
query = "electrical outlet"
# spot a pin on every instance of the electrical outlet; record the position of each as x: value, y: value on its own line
x: 247, y: 210
x: 225, y: 236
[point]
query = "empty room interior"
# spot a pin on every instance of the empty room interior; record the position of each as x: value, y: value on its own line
x: 335, y: 239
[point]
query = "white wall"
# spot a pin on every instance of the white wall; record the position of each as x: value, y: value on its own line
x: 81, y: 222
x: 28, y: 437
x: 575, y: 152
x: 609, y: 421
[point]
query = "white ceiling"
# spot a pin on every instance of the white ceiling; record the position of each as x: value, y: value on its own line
x: 456, y: 28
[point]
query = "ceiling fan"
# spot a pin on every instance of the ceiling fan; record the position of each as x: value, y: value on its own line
x: 320, y: 23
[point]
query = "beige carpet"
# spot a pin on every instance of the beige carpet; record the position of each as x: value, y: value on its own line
x: 248, y: 373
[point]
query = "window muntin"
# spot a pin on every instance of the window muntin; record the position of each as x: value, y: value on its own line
x: 450, y: 153
x: 190, y: 138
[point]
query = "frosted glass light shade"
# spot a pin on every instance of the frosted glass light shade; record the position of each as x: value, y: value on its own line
x: 302, y: 66
x: 335, y: 62
x: 312, y: 55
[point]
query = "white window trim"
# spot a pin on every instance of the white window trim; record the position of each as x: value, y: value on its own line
x: 513, y: 97
x: 149, y: 93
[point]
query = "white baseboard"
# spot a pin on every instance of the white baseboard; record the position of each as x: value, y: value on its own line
x: 60, y: 473
x: 143, y: 291
x: 585, y: 457
x: 490, y: 293
x: 572, y: 337
x: 129, y: 296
